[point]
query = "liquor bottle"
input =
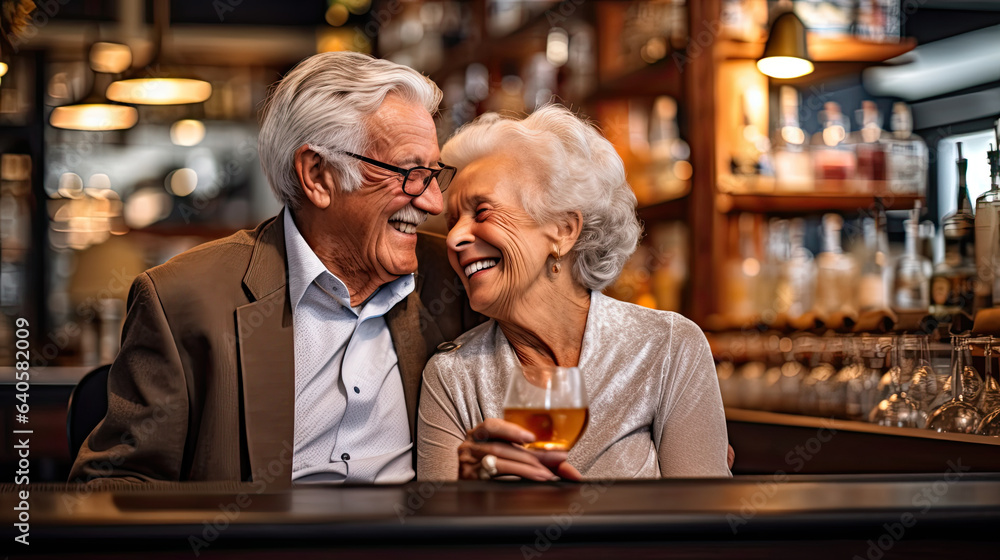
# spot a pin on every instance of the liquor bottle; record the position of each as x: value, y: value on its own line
x: 951, y: 286
x: 836, y: 273
x: 833, y: 158
x: 906, y: 167
x: 799, y: 272
x: 987, y: 206
x: 746, y: 157
x: 771, y: 295
x: 878, y: 20
x: 869, y: 144
x: 743, y: 275
x: 873, y: 292
x: 911, y: 289
x: 669, y: 169
x: 792, y: 166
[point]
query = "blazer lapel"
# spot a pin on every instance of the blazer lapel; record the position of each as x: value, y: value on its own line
x: 267, y: 358
x: 414, y: 339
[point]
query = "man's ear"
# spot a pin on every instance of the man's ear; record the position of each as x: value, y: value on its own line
x: 569, y: 225
x: 314, y: 177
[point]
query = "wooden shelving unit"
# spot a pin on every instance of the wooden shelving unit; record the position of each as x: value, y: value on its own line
x: 660, y: 78
x: 827, y: 49
x: 736, y: 84
x: 706, y: 91
x: 675, y: 209
x: 810, y: 203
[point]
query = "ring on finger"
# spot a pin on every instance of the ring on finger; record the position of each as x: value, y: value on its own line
x: 489, y: 467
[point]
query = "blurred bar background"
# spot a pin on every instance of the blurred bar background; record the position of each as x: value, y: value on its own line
x: 774, y: 208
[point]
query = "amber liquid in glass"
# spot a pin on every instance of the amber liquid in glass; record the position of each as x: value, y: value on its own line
x: 554, y: 429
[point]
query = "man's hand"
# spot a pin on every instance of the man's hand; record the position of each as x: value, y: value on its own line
x: 504, y: 441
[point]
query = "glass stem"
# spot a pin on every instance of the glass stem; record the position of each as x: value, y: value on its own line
x: 957, y: 391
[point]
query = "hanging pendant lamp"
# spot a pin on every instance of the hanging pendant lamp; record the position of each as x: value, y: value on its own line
x: 786, y: 54
x: 168, y: 89
x: 94, y: 112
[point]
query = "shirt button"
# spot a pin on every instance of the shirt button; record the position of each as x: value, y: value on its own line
x: 346, y: 457
x: 356, y: 390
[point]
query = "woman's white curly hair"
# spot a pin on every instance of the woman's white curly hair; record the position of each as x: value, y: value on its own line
x: 580, y: 171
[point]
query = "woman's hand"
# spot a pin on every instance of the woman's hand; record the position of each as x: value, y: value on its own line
x: 502, y: 440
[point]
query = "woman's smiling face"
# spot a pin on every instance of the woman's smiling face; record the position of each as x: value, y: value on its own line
x: 497, y: 249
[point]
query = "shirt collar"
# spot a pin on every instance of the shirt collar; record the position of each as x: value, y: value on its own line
x: 304, y: 268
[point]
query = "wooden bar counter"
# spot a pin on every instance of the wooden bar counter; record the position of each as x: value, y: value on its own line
x: 951, y: 513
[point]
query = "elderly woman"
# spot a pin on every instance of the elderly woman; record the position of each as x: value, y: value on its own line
x: 541, y: 220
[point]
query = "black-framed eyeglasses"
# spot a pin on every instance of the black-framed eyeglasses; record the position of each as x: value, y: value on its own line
x: 415, y: 179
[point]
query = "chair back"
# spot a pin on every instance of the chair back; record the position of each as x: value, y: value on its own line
x: 88, y: 404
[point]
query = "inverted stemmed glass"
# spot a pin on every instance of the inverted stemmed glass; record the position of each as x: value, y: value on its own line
x: 551, y: 402
x: 860, y: 386
x: 898, y: 409
x: 921, y: 382
x: 989, y: 401
x: 958, y: 415
x: 990, y: 397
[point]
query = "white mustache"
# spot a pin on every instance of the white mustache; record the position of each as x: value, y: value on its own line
x: 410, y: 215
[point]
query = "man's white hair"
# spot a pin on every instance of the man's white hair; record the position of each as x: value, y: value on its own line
x: 579, y: 171
x: 326, y: 101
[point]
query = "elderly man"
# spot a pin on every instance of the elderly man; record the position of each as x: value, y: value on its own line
x: 293, y: 352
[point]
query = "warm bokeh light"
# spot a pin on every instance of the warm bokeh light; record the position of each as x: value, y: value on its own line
x: 784, y: 67
x: 793, y: 135
x: 110, y: 58
x: 683, y: 170
x: 357, y: 7
x: 94, y: 116
x: 337, y: 14
x: 3, y: 69
x: 833, y: 135
x: 147, y: 206
x: 70, y: 185
x: 160, y: 91
x: 557, y: 47
x: 187, y: 132
x: 182, y: 182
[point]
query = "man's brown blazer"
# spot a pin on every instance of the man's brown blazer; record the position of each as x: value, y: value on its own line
x: 203, y: 388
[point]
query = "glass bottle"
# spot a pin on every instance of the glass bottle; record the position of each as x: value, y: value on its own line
x: 792, y: 167
x: 873, y: 293
x: 833, y: 158
x: 952, y: 283
x: 958, y: 415
x: 911, y: 289
x: 742, y: 275
x: 771, y: 294
x: 987, y: 206
x: 906, y: 166
x: 836, y: 273
x: 799, y: 272
x: 669, y: 169
x: 869, y: 144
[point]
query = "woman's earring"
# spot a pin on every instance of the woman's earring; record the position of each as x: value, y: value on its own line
x: 557, y: 265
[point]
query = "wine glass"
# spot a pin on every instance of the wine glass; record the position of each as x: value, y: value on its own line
x: 989, y: 401
x: 550, y: 402
x: 861, y: 395
x: 923, y: 382
x: 815, y: 399
x: 990, y: 397
x: 958, y: 415
x: 898, y: 409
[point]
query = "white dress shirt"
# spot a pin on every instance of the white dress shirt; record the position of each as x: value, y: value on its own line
x: 350, y: 413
